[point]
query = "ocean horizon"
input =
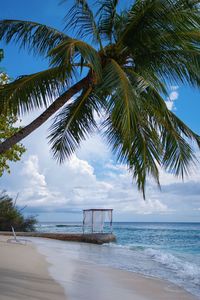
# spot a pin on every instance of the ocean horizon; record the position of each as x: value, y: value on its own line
x: 165, y: 250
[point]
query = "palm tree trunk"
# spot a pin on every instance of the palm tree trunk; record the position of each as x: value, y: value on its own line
x: 57, y: 104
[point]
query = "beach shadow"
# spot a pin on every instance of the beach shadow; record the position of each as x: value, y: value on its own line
x: 26, y: 286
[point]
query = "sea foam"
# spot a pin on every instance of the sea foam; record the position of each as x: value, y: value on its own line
x: 184, y: 269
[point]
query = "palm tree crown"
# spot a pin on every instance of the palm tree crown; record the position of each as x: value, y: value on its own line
x: 121, y: 63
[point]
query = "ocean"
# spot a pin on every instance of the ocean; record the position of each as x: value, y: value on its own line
x: 169, y: 251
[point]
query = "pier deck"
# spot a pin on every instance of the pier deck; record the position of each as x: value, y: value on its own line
x: 94, y: 238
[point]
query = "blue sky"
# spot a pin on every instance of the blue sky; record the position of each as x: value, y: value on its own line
x: 91, y: 178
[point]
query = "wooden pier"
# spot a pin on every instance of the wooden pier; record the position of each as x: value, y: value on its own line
x: 94, y: 238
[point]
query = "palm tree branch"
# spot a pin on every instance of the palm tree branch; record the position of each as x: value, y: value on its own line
x: 107, y: 14
x: 71, y: 50
x: 122, y: 98
x: 32, y: 91
x: 73, y: 124
x: 175, y: 136
x: 35, y: 37
x: 81, y: 19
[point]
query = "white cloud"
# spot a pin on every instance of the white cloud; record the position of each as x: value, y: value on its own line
x: 173, y: 96
x: 31, y: 171
x: 76, y: 186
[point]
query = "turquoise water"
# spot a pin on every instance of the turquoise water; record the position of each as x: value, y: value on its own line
x: 181, y: 237
x: 165, y: 250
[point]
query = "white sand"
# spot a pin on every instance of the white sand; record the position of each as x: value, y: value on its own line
x: 24, y: 275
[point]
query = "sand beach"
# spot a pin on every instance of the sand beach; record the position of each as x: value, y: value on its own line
x: 26, y: 273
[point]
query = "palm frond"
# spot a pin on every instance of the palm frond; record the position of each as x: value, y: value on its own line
x: 145, y: 79
x: 107, y: 15
x: 163, y: 37
x: 141, y: 153
x: 73, y: 124
x: 160, y: 139
x: 35, y: 37
x: 130, y: 133
x: 81, y: 19
x: 121, y: 96
x: 175, y: 137
x: 179, y: 153
x: 71, y: 51
x: 32, y: 91
x: 149, y: 16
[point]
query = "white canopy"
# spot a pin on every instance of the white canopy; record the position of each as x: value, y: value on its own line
x: 94, y: 219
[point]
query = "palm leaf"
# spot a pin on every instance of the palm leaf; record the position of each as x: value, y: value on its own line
x: 150, y: 16
x: 32, y: 91
x: 175, y: 137
x: 131, y: 136
x: 121, y: 97
x: 73, y: 124
x: 107, y: 14
x: 81, y: 19
x: 71, y: 51
x: 159, y: 139
x: 178, y: 151
x: 35, y: 37
x: 142, y: 81
x: 141, y: 152
x: 153, y: 36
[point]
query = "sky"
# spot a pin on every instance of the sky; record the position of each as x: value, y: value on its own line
x: 91, y: 178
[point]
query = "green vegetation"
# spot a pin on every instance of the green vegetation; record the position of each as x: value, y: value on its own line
x: 10, y: 215
x: 8, y: 128
x: 119, y: 65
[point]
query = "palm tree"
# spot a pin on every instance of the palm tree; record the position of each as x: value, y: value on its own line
x: 119, y: 65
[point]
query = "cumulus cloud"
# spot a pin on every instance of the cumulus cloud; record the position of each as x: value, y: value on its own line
x: 77, y: 186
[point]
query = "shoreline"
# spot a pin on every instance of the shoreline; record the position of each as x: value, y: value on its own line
x: 71, y: 278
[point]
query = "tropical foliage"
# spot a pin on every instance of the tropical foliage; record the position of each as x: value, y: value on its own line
x: 7, y: 129
x: 10, y: 215
x: 128, y: 58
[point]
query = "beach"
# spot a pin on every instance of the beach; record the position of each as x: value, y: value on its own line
x: 24, y: 274
x: 39, y: 271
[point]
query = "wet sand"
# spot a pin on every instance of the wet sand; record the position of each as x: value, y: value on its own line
x: 88, y: 281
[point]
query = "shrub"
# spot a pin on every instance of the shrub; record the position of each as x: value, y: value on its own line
x: 10, y: 215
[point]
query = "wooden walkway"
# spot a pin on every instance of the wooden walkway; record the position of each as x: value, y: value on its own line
x: 94, y: 238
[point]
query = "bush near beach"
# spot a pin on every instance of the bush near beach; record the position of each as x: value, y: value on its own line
x: 10, y: 215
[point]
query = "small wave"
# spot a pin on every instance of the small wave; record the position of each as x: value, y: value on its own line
x: 45, y: 225
x: 185, y: 270
x: 68, y: 225
x: 127, y: 246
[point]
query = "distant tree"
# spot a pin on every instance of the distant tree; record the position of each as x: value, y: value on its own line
x: 10, y: 215
x: 7, y: 129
